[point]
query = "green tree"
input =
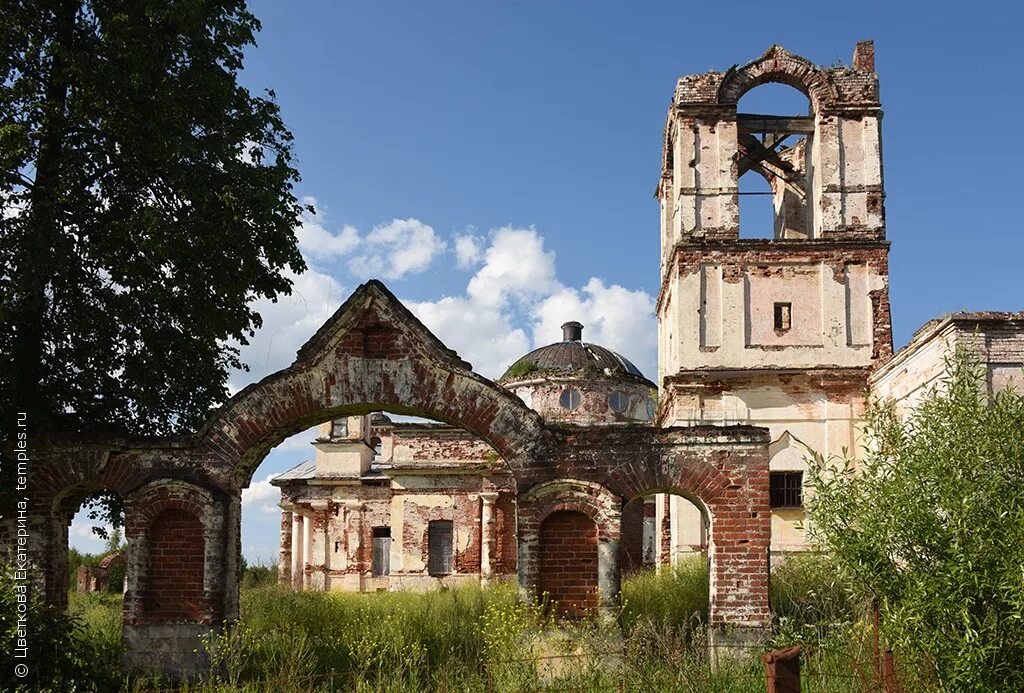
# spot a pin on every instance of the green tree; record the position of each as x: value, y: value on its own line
x: 147, y: 201
x: 113, y: 542
x: 931, y: 523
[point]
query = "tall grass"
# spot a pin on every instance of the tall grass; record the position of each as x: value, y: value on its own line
x: 473, y: 639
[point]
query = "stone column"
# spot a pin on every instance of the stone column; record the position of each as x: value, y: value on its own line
x: 307, y: 548
x: 486, y: 534
x: 298, y: 564
x: 284, y: 555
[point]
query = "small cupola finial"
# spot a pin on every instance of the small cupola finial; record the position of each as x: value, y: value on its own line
x: 572, y: 331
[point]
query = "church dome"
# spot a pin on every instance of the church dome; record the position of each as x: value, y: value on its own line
x: 573, y: 356
x: 574, y: 381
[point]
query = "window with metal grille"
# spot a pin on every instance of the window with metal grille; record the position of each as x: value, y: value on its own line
x: 786, y: 489
x: 439, y: 547
x: 381, y: 551
x: 783, y: 316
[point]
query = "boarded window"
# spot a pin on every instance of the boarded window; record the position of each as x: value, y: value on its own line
x: 381, y: 551
x: 786, y: 489
x: 439, y: 545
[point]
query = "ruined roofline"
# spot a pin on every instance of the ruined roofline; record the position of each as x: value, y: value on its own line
x: 942, y: 325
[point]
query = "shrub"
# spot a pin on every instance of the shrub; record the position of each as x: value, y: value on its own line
x: 62, y: 654
x: 808, y: 589
x: 931, y: 521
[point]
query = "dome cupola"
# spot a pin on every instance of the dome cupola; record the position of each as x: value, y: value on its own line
x: 578, y: 382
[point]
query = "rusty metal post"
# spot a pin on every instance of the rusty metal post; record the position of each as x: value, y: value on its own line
x: 875, y: 658
x: 782, y: 670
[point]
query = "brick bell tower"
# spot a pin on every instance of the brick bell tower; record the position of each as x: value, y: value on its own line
x: 780, y: 332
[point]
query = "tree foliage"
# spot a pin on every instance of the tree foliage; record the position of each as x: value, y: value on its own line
x: 147, y: 201
x: 931, y: 522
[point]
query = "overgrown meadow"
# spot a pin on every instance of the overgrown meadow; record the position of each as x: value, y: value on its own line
x: 484, y: 639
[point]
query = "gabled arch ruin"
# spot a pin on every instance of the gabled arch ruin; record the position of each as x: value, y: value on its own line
x: 374, y: 354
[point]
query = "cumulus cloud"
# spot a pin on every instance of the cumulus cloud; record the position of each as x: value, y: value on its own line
x: 316, y: 242
x: 288, y: 323
x: 516, y: 265
x: 262, y: 496
x: 395, y: 249
x: 516, y: 283
x: 613, y: 316
x: 483, y: 336
x: 467, y: 250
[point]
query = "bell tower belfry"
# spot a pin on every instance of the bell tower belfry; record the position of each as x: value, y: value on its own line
x: 779, y: 331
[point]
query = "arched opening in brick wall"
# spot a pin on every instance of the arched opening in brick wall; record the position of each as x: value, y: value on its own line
x: 662, y: 529
x: 774, y: 132
x: 379, y: 501
x: 88, y: 551
x: 568, y: 573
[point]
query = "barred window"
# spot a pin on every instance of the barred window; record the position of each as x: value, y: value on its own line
x: 439, y: 547
x: 786, y: 489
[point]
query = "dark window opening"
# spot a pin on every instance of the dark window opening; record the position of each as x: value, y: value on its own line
x: 439, y: 546
x: 570, y: 399
x: 381, y: 551
x: 786, y: 489
x: 783, y: 316
x: 377, y: 448
x: 618, y: 401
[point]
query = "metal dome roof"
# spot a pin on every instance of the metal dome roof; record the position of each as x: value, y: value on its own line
x: 573, y: 355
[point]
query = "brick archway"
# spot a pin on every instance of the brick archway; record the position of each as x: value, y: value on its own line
x: 570, y: 499
x: 373, y: 354
x: 780, y: 66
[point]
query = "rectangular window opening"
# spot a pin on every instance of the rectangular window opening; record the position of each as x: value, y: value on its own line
x: 439, y: 546
x: 786, y: 489
x: 381, y: 551
x: 783, y: 316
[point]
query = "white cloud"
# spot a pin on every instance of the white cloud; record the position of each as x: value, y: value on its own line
x: 316, y: 242
x: 612, y: 316
x: 483, y: 336
x: 395, y: 249
x: 515, y: 265
x: 467, y: 250
x: 518, y: 277
x: 262, y: 496
x: 288, y: 323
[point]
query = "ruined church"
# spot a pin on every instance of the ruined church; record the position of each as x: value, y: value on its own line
x: 789, y: 333
x: 574, y: 467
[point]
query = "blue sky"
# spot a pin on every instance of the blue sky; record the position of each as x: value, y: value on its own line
x: 494, y: 162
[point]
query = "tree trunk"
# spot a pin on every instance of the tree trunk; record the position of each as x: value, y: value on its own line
x: 42, y: 229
